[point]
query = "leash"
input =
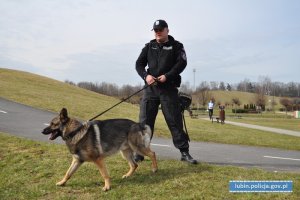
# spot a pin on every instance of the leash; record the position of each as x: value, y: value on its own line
x: 123, y: 100
x: 186, y: 131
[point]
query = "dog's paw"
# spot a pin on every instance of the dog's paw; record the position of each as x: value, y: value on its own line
x: 105, y: 188
x: 60, y: 183
x: 124, y: 176
x: 154, y: 170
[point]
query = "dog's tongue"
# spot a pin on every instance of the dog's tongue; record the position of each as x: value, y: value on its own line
x: 51, y: 136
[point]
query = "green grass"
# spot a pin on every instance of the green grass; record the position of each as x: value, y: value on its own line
x: 282, y: 123
x: 230, y: 134
x: 29, y: 170
x: 52, y: 95
x: 49, y: 94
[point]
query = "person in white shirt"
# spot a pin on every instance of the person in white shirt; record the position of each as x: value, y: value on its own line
x: 210, y: 109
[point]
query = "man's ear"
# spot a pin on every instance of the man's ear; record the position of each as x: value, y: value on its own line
x: 63, y: 115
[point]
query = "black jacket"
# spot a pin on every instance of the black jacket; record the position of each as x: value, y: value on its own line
x: 167, y: 59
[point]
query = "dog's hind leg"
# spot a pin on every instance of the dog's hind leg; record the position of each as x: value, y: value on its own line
x: 147, y: 152
x: 72, y: 169
x: 128, y: 155
x: 104, y: 173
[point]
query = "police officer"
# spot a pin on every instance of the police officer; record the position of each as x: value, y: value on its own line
x: 165, y: 59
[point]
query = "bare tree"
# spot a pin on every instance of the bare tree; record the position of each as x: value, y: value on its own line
x: 203, y: 93
x: 286, y: 103
x: 222, y: 86
x: 260, y: 97
x: 265, y: 83
x: 214, y: 85
x: 296, y: 104
x: 236, y: 101
x: 186, y: 88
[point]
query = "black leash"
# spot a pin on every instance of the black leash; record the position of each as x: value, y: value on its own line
x: 121, y: 101
x: 186, y: 131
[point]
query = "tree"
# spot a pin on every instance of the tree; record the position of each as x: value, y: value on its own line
x: 262, y: 89
x: 236, y: 101
x: 228, y: 87
x: 296, y: 103
x: 214, y: 85
x: 222, y: 86
x: 265, y: 84
x: 186, y: 88
x: 286, y: 103
x: 203, y: 93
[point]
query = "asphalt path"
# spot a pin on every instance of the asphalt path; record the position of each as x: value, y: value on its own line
x: 25, y: 121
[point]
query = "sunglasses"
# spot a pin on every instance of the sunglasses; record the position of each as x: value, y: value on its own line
x: 158, y: 30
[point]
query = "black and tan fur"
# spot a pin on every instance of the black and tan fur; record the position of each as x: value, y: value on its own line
x: 95, y: 140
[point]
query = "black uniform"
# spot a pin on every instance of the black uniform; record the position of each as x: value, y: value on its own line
x: 167, y: 59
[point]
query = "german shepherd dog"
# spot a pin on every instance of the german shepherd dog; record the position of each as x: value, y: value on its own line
x: 95, y: 140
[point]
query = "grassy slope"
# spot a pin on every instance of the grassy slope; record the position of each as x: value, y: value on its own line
x: 244, y: 97
x: 49, y: 94
x: 29, y: 170
x: 52, y: 95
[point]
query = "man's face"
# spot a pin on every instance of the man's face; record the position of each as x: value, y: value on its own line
x: 161, y: 35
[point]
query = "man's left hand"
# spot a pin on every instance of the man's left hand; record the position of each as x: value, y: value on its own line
x: 162, y: 78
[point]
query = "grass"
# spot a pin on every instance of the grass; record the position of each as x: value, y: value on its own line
x: 49, y: 94
x: 29, y: 170
x: 52, y: 95
x: 202, y: 130
x: 269, y: 119
x: 282, y: 123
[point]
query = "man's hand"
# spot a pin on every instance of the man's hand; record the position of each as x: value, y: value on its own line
x: 150, y: 79
x: 162, y: 78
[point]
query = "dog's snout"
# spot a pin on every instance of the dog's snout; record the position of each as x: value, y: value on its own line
x: 46, y: 131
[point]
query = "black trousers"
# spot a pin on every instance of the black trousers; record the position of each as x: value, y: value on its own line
x: 210, y: 113
x: 169, y: 101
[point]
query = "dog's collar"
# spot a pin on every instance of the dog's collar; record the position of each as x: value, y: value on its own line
x: 73, y: 133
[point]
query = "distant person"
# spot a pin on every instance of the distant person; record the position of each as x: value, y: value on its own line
x: 222, y: 114
x: 210, y: 109
x: 165, y: 59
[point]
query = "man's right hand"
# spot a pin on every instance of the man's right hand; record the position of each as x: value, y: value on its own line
x: 150, y: 79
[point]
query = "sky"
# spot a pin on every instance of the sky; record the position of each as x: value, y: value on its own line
x: 100, y: 40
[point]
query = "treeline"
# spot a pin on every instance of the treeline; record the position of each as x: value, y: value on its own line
x: 111, y: 89
x: 279, y: 89
x: 202, y: 92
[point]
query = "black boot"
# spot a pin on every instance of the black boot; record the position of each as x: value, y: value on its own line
x: 185, y: 156
x: 138, y: 158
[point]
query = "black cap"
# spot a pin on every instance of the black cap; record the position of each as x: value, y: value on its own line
x: 160, y: 24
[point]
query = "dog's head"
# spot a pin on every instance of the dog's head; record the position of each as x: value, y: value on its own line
x: 57, y: 125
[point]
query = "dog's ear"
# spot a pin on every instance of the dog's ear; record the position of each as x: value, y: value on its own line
x: 63, y: 115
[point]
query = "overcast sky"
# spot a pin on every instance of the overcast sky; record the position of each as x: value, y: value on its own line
x: 100, y: 40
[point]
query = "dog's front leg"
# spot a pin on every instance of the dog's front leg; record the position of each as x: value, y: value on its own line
x: 72, y: 169
x: 104, y: 173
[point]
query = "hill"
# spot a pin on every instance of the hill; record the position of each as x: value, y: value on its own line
x: 52, y: 95
x: 225, y: 97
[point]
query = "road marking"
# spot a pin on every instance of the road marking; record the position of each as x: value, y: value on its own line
x: 46, y: 124
x: 161, y: 145
x: 2, y: 111
x: 282, y: 158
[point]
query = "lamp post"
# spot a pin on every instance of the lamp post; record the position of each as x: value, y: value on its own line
x: 194, y: 71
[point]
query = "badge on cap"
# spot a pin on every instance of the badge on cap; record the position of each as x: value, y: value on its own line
x: 157, y: 23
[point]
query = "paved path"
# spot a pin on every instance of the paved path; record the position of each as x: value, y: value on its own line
x: 25, y: 121
x: 263, y: 128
